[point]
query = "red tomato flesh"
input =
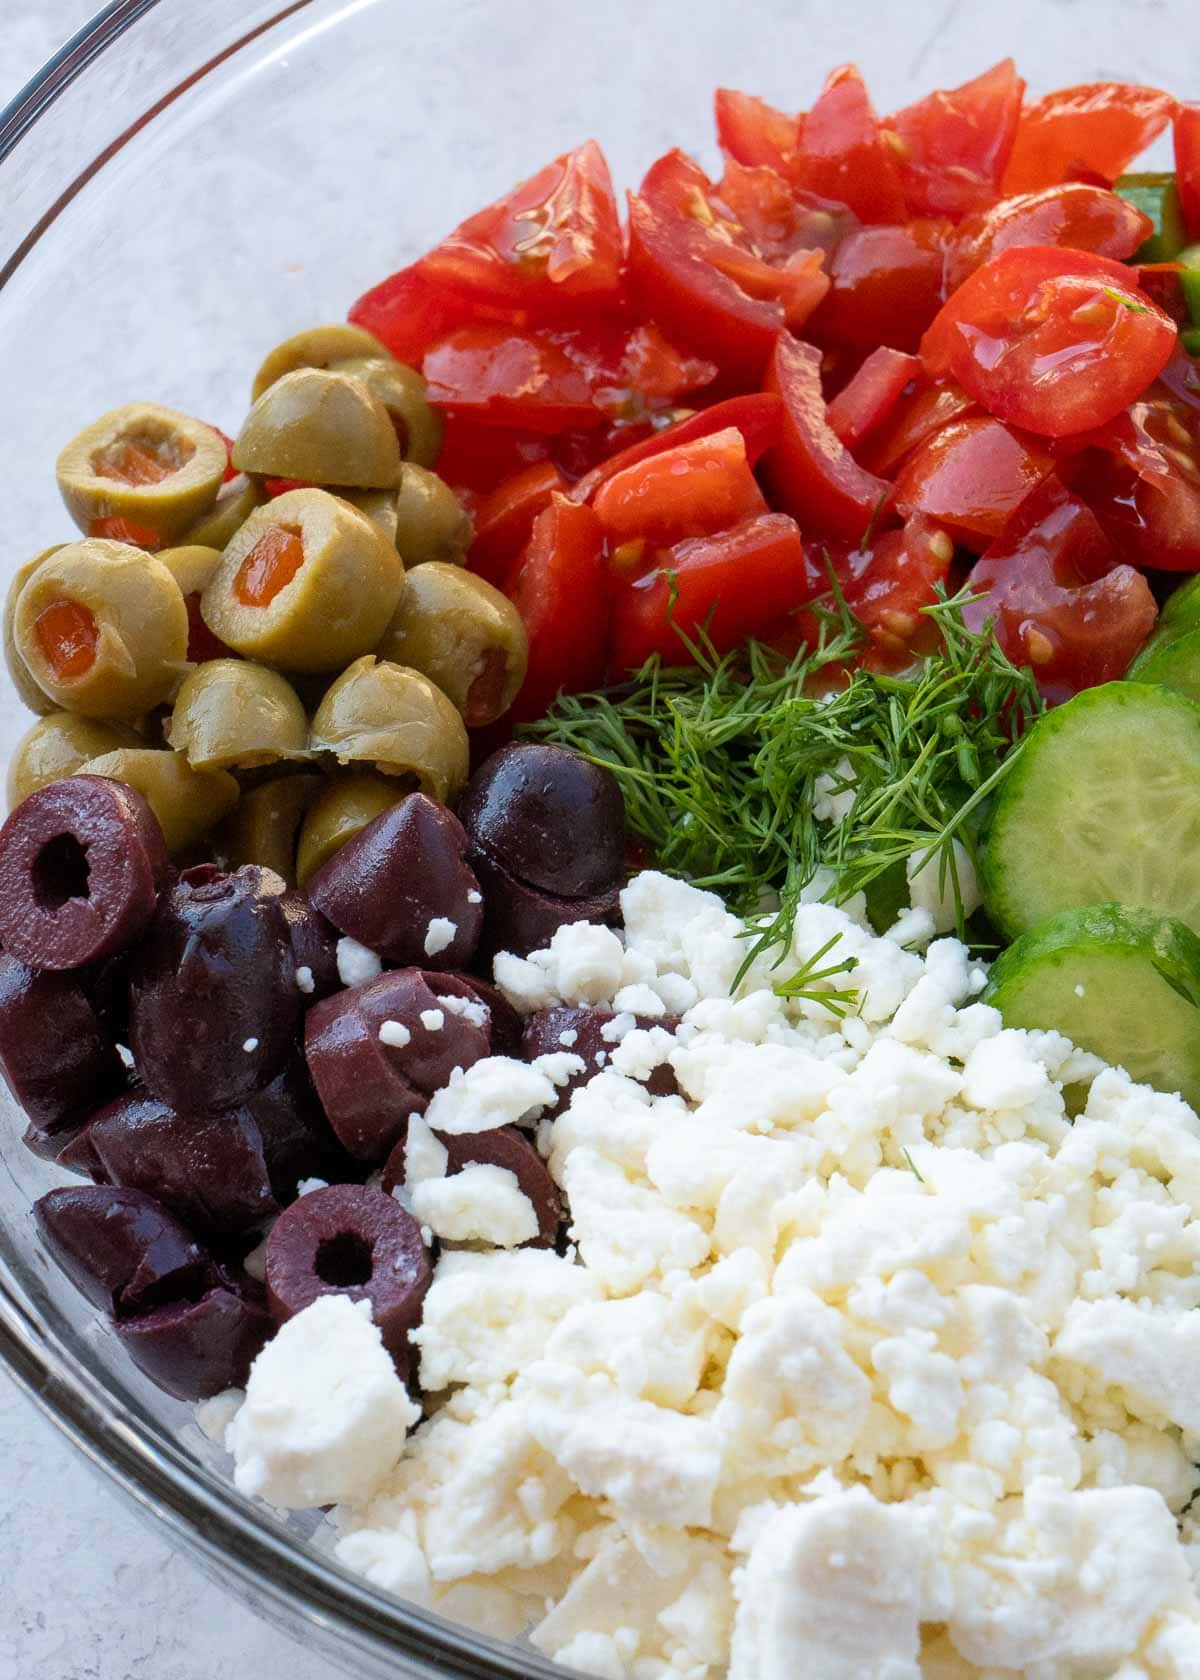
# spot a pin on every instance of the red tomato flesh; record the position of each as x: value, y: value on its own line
x: 972, y: 476
x: 956, y: 143
x: 689, y: 491
x: 1094, y: 130
x: 752, y: 132
x: 1142, y: 480
x: 842, y: 153
x: 862, y: 405
x: 756, y: 417
x: 504, y: 519
x: 1187, y: 165
x: 885, y: 286
x: 1079, y: 214
x: 560, y: 588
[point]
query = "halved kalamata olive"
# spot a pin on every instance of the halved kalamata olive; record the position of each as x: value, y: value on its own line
x: 314, y: 947
x: 521, y: 918
x: 548, y: 817
x: 54, y: 1057
x: 350, y: 1240
x: 194, y: 1349
x: 75, y: 1155
x: 297, y: 1142
x: 207, y: 1168
x: 506, y: 1026
x: 378, y: 1052
x: 402, y: 887
x: 106, y: 986
x: 81, y: 862
x: 506, y: 1148
x: 214, y: 1003
x: 120, y: 1247
x: 580, y: 1032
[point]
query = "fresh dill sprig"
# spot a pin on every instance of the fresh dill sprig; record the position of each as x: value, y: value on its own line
x: 808, y: 982
x: 725, y: 762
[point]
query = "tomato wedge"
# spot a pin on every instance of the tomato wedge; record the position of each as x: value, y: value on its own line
x: 813, y: 473
x: 862, y: 405
x: 689, y: 491
x: 1094, y: 131
x: 972, y: 475
x: 915, y: 418
x: 842, y: 153
x: 1052, y: 341
x: 1187, y: 165
x: 780, y: 220
x: 957, y: 142
x: 408, y: 312
x: 695, y: 270
x: 560, y: 588
x: 885, y: 286
x: 504, y: 518
x: 752, y: 132
x: 1078, y: 214
x: 756, y: 417
x: 1142, y: 480
x: 731, y: 586
x: 1059, y: 600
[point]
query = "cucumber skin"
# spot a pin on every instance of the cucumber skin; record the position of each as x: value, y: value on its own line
x: 1126, y: 694
x: 1172, y: 662
x: 1169, y: 944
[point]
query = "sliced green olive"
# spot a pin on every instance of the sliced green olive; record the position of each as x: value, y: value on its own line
x: 265, y: 826
x: 235, y: 502
x: 396, y: 719
x: 188, y: 803
x: 103, y: 629
x: 307, y: 584
x: 58, y: 746
x: 191, y: 565
x: 144, y: 463
x: 341, y: 810
x: 431, y: 522
x: 464, y: 635
x: 418, y: 425
x: 379, y: 506
x: 32, y: 695
x: 317, y: 347
x: 323, y: 427
x: 231, y: 715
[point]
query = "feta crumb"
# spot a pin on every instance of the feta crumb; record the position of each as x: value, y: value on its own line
x: 125, y: 1056
x: 304, y: 980
x: 474, y: 896
x: 467, y: 1009
x: 250, y: 1046
x: 394, y: 1033
x: 482, y: 1203
x: 433, y: 1020
x: 565, y: 1038
x: 306, y: 1186
x: 496, y: 1091
x: 439, y: 934
x: 356, y: 964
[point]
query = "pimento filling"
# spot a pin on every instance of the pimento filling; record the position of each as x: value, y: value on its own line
x: 270, y: 566
x: 67, y: 633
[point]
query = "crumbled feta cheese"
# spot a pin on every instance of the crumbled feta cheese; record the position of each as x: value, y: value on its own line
x: 394, y: 1033
x: 433, y: 1020
x: 467, y: 1009
x: 304, y: 980
x: 496, y: 1091
x: 306, y: 1186
x: 356, y: 964
x: 568, y: 1038
x: 931, y: 886
x: 474, y: 896
x: 250, y: 1046
x: 439, y: 934
x: 424, y: 1156
x: 125, y: 1055
x: 479, y: 1204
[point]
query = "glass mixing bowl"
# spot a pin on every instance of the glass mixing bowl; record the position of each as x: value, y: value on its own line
x: 187, y: 182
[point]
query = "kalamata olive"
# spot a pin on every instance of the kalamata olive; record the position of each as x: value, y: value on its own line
x: 580, y: 1032
x: 106, y: 987
x: 549, y: 818
x: 194, y: 1349
x: 378, y: 1052
x: 350, y: 1240
x: 75, y: 1154
x: 53, y: 1055
x: 81, y: 861
x: 314, y: 947
x: 506, y: 1025
x: 120, y: 1247
x: 297, y: 1142
x: 207, y: 1168
x: 503, y: 1147
x: 402, y: 886
x: 214, y: 1005
x: 521, y: 918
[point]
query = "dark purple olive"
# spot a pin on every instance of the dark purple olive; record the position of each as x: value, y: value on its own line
x: 584, y: 1032
x: 521, y: 918
x: 214, y: 1008
x: 297, y: 1142
x: 355, y: 1241
x: 504, y: 1147
x: 375, y: 1060
x: 207, y: 1168
x: 53, y: 1055
x: 120, y: 1247
x: 81, y: 862
x: 314, y: 947
x: 402, y: 887
x: 549, y: 818
x: 194, y: 1349
x: 507, y: 1025
x: 106, y: 985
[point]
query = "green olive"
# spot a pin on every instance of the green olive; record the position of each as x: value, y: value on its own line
x: 387, y: 715
x: 264, y: 827
x: 341, y: 810
x: 418, y: 425
x: 188, y: 803
x: 103, y: 629
x: 144, y: 463
x: 235, y: 502
x: 191, y: 565
x: 323, y: 427
x: 231, y: 715
x: 379, y: 506
x: 307, y: 584
x: 58, y: 746
x: 32, y: 695
x: 464, y: 635
x: 318, y: 347
x: 431, y: 522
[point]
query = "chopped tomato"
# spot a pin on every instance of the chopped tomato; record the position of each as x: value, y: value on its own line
x: 957, y: 142
x: 731, y: 586
x: 1079, y: 215
x: 1141, y: 477
x: 1187, y: 165
x: 756, y: 417
x: 67, y: 634
x: 780, y: 220
x: 689, y: 491
x: 885, y: 286
x: 202, y: 644
x: 476, y: 459
x: 231, y: 471
x: 843, y: 155
x: 862, y: 405
x: 560, y: 588
x: 752, y: 132
x: 504, y: 519
x: 695, y: 270
x: 270, y: 566
x: 280, y: 486
x: 408, y: 312
x: 915, y: 418
x: 117, y: 528
x: 1162, y: 285
x: 1089, y: 132
x: 1059, y: 600
x: 1053, y: 341
x: 813, y: 473
x: 558, y: 381
x: 972, y: 476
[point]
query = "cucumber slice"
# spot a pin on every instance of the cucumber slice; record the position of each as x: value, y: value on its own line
x: 1181, y: 611
x: 1122, y: 983
x: 1172, y: 661
x: 1101, y: 807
